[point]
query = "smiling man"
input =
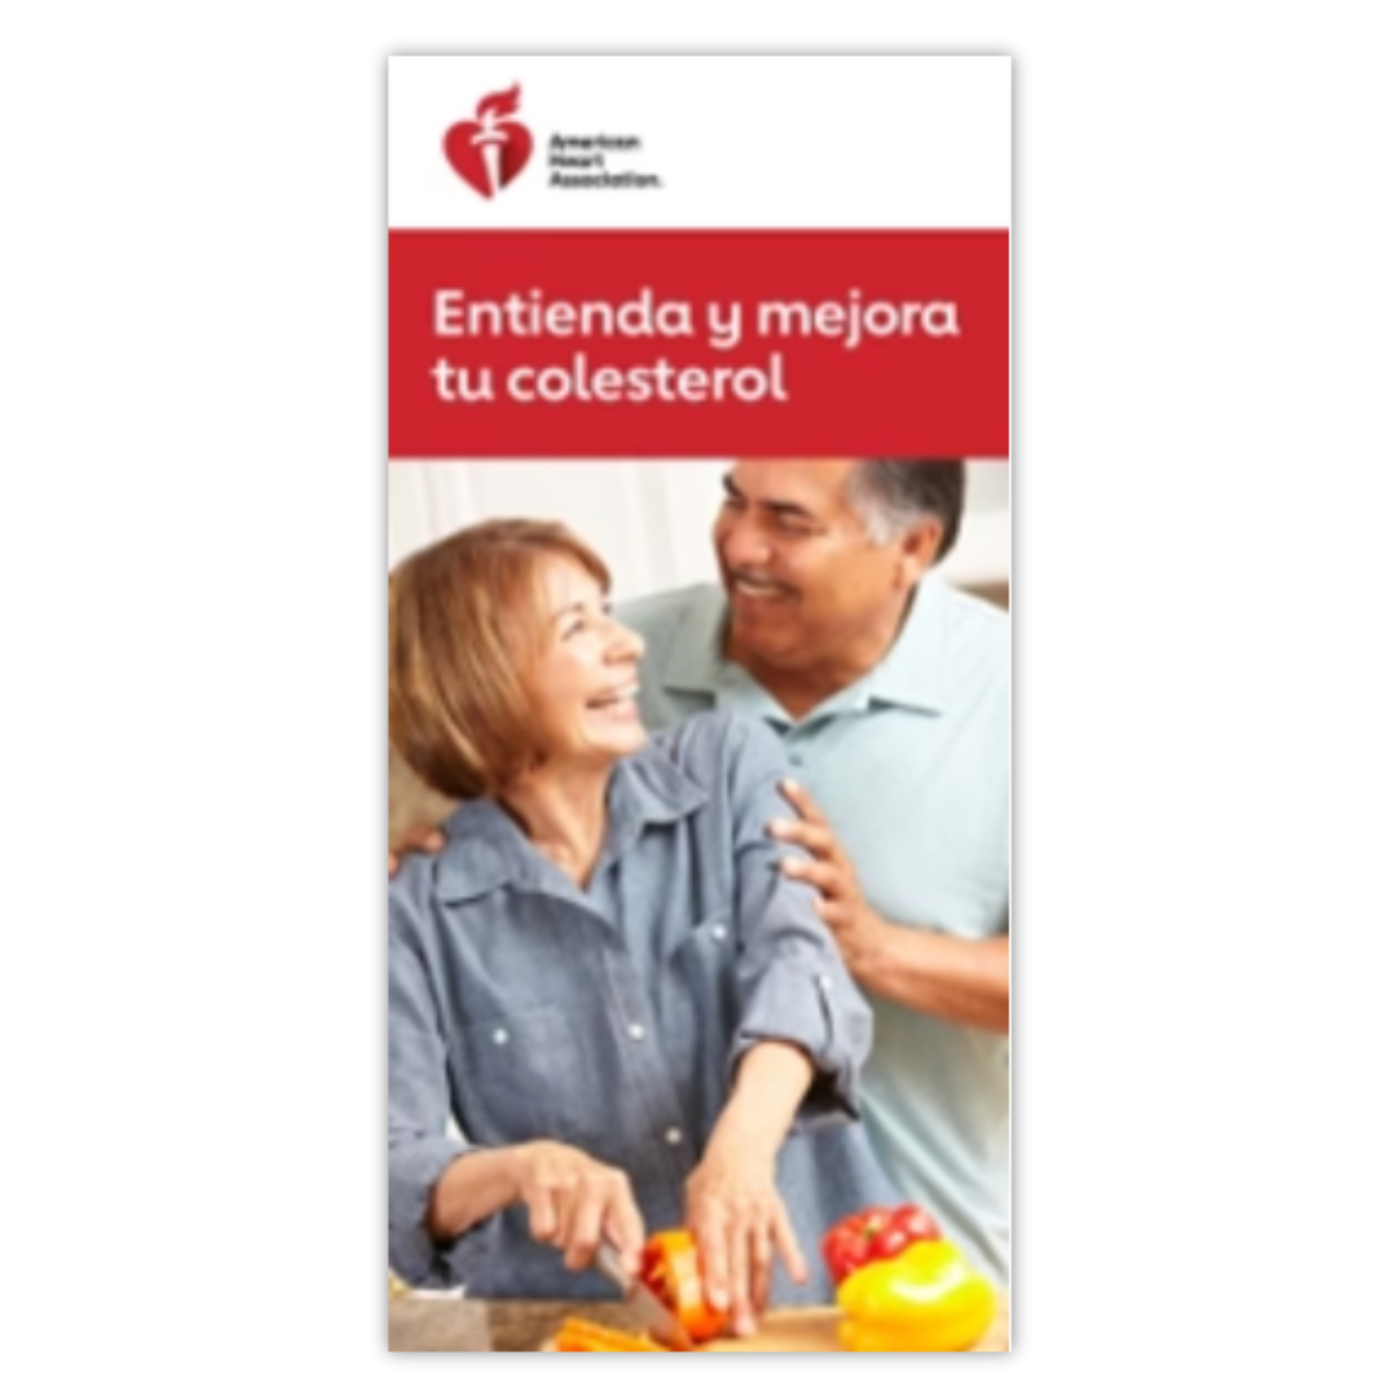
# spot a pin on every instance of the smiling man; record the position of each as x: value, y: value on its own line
x: 891, y: 693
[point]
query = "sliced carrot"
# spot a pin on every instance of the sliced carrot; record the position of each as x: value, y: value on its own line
x: 578, y: 1334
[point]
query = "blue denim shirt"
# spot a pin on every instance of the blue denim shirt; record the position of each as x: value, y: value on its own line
x: 612, y: 1017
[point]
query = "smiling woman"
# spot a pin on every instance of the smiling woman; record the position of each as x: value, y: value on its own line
x: 545, y: 653
x: 603, y: 977
x: 584, y: 684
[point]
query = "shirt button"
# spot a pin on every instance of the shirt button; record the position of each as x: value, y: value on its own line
x: 500, y: 1035
x: 718, y: 932
x: 673, y: 1136
x: 824, y: 982
x: 636, y: 1032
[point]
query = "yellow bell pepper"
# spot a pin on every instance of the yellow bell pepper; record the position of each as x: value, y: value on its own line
x: 929, y: 1298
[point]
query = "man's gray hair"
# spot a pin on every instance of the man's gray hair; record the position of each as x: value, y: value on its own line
x: 893, y: 494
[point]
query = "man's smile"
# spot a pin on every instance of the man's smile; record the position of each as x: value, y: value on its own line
x: 756, y: 588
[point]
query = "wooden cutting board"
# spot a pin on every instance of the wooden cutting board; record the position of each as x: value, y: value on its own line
x: 802, y: 1329
x: 814, y: 1329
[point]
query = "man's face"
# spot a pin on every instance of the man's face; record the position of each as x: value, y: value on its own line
x: 807, y: 586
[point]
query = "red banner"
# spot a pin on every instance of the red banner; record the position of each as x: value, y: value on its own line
x: 699, y: 344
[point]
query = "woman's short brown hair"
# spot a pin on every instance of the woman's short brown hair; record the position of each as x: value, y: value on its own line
x: 465, y: 615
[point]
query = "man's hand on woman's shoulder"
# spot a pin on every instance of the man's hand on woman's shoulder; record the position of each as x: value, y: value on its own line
x: 425, y: 840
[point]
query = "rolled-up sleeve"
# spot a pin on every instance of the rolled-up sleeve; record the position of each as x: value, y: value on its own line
x: 793, y: 984
x: 419, y: 1148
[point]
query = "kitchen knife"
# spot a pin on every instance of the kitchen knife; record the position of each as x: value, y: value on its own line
x: 648, y: 1311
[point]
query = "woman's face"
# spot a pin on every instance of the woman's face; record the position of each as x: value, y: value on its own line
x: 583, y: 688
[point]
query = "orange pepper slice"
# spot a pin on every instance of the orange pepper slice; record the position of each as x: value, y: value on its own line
x: 671, y: 1269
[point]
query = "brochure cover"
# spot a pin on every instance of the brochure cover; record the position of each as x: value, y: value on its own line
x: 699, y: 543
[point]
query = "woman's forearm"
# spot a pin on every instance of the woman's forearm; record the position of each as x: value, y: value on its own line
x: 772, y: 1080
x: 732, y: 1204
x: 474, y: 1186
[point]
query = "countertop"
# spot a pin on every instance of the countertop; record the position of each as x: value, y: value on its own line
x: 418, y: 1323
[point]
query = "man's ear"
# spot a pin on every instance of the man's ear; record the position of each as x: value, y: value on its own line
x: 918, y: 549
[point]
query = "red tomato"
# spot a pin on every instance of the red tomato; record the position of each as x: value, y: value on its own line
x: 844, y: 1252
x: 874, y: 1220
x: 890, y: 1243
x: 917, y: 1223
x: 874, y: 1234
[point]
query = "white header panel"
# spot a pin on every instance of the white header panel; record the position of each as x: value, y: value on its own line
x: 902, y: 141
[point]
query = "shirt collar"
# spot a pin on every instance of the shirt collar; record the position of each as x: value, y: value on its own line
x: 911, y: 673
x: 486, y: 849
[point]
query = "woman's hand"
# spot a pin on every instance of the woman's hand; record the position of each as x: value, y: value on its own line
x: 738, y: 1220
x: 575, y: 1201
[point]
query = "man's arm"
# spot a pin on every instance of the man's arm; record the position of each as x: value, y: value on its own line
x: 936, y: 973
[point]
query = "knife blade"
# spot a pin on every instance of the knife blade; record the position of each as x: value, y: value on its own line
x: 649, y: 1312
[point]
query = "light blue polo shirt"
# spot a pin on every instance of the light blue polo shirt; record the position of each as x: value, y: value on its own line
x: 911, y: 765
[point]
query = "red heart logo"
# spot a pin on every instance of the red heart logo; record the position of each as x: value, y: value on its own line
x: 488, y: 156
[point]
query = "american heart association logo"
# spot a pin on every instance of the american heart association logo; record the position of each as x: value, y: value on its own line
x: 491, y: 151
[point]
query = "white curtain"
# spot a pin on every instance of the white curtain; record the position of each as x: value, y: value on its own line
x: 649, y: 519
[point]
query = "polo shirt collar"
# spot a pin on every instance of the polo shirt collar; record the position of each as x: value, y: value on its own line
x: 912, y: 674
